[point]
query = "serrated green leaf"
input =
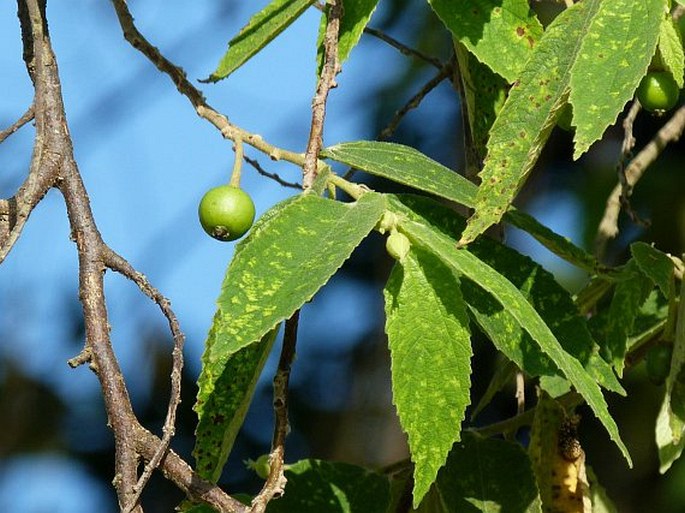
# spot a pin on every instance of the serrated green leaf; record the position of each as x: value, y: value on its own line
x: 316, y: 486
x: 551, y: 301
x: 671, y: 50
x: 501, y: 33
x: 222, y: 404
x: 289, y: 254
x: 510, y: 298
x: 262, y: 28
x: 408, y: 166
x: 670, y: 423
x: 617, y: 46
x: 526, y: 119
x: 404, y: 165
x: 654, y: 264
x: 430, y: 347
x: 630, y: 293
x: 284, y: 262
x: 431, y: 503
x: 488, y: 475
x: 356, y: 15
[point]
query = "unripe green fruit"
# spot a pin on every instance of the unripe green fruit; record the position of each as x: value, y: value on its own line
x: 658, y: 91
x: 659, y: 363
x: 261, y: 466
x: 397, y: 245
x: 226, y: 212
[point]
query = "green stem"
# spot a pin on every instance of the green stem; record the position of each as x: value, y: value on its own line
x: 353, y: 189
x: 568, y: 401
x: 595, y: 290
x: 238, y: 163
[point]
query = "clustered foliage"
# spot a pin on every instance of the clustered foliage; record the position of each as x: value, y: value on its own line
x: 517, y: 80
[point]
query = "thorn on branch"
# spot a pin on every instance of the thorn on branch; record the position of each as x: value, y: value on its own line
x: 82, y: 358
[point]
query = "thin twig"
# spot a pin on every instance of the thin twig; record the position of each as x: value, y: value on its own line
x: 273, y: 176
x: 275, y: 482
x: 176, y: 470
x: 119, y: 264
x: 25, y: 118
x: 520, y: 393
x: 413, y: 103
x: 53, y: 164
x: 416, y: 100
x: 626, y: 154
x: 403, y: 49
x: 670, y: 132
x: 196, y: 98
x: 568, y: 400
x: 326, y: 83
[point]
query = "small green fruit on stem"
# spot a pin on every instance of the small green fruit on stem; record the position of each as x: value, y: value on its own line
x: 226, y: 212
x: 658, y: 91
x: 397, y: 245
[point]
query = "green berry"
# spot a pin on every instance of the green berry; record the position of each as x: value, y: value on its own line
x: 397, y: 245
x: 659, y: 363
x: 658, y: 91
x: 226, y: 212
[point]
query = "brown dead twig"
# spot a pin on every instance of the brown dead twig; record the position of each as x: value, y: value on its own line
x: 308, y: 161
x: 53, y: 166
x: 445, y: 71
x: 227, y: 129
x: 402, y: 48
x: 275, y: 481
x: 670, y: 132
x: 330, y: 69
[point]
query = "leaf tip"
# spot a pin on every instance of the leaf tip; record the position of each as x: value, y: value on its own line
x: 211, y: 79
